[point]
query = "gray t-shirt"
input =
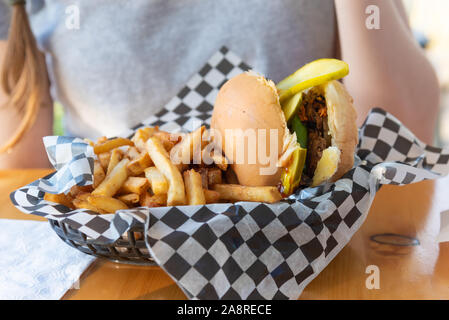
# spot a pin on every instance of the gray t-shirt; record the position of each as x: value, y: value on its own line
x: 128, y: 58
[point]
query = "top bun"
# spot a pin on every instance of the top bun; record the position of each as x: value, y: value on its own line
x: 249, y: 101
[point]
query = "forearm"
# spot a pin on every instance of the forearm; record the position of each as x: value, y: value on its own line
x: 29, y: 152
x: 387, y: 68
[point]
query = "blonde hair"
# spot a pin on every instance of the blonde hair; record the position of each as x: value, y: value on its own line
x: 24, y: 76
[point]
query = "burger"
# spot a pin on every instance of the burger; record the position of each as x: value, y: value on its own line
x: 312, y: 115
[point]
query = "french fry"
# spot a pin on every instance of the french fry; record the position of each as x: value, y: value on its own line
x: 211, y: 196
x: 138, y: 165
x: 214, y: 176
x: 104, y: 159
x: 102, y: 139
x: 76, y: 190
x: 65, y: 200
x: 176, y: 191
x: 83, y: 196
x: 99, y: 174
x: 130, y: 199
x: 220, y: 161
x: 168, y: 140
x: 194, y: 188
x: 141, y: 136
x: 209, y: 157
x: 159, y: 185
x: 157, y: 200
x: 116, y: 156
x: 113, y: 181
x: 189, y: 148
x: 134, y: 185
x: 204, y: 178
x: 112, y: 144
x: 84, y: 204
x: 235, y: 192
x: 107, y: 204
x: 132, y: 153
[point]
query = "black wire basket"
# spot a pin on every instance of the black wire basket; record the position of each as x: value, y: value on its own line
x: 130, y: 248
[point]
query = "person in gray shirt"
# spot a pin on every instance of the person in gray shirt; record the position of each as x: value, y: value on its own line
x: 113, y: 63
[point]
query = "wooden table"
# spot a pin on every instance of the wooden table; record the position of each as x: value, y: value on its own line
x: 406, y: 272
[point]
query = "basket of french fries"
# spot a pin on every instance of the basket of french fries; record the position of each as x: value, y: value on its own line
x: 164, y: 193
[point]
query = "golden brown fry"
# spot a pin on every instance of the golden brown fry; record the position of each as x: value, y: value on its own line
x: 176, y: 191
x: 76, y: 190
x: 101, y: 140
x: 209, y: 157
x: 83, y: 196
x: 84, y: 204
x: 211, y: 196
x: 157, y: 200
x: 168, y: 140
x: 134, y: 185
x: 104, y: 159
x: 220, y: 161
x: 137, y: 166
x: 141, y: 136
x: 204, y: 177
x: 189, y: 148
x: 107, y: 204
x: 113, y: 181
x: 99, y: 174
x: 214, y: 176
x: 116, y: 156
x: 159, y: 185
x: 65, y: 200
x: 194, y: 188
x: 132, y: 153
x: 112, y: 144
x: 130, y: 199
x: 235, y: 192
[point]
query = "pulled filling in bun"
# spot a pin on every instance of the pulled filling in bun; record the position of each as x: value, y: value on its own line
x: 313, y: 114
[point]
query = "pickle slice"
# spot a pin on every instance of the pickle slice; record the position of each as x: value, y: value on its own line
x: 312, y: 74
x: 291, y: 176
x: 290, y: 107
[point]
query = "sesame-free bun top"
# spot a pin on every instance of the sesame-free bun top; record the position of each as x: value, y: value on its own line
x: 249, y: 101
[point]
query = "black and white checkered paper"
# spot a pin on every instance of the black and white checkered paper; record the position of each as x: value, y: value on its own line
x: 243, y: 250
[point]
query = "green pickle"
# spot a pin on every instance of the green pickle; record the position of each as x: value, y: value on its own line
x: 291, y: 107
x: 291, y: 176
x: 311, y: 75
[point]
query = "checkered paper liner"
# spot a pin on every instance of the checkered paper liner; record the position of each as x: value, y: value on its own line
x: 243, y: 250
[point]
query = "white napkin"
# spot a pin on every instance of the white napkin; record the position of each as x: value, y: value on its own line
x: 443, y: 236
x: 35, y: 263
